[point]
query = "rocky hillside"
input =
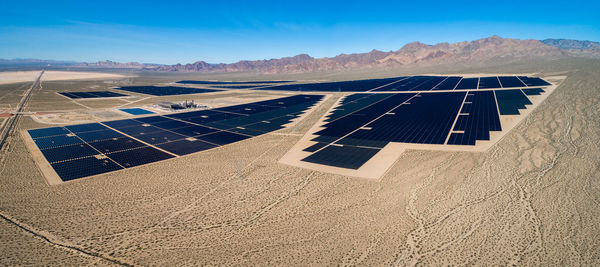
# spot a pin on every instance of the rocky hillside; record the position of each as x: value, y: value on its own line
x: 483, y: 50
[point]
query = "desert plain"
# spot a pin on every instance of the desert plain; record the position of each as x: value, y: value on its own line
x: 532, y: 198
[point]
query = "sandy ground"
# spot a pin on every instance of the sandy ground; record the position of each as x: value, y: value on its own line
x: 531, y: 199
x: 26, y: 76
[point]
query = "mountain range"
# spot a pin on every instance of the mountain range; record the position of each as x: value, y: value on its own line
x: 487, y: 50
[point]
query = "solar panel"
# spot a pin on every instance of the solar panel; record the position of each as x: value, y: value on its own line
x: 95, y: 148
x: 510, y: 81
x: 184, y: 147
x: 482, y: 117
x: 533, y: 91
x: 467, y: 83
x: 165, y: 90
x: 68, y: 152
x: 91, y: 94
x: 139, y: 156
x: 225, y: 82
x: 136, y: 111
x: 116, y: 144
x: 489, y: 82
x: 510, y: 101
x: 78, y: 168
x: 45, y: 132
x: 348, y: 157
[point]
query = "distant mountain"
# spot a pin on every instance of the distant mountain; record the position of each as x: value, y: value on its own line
x: 567, y: 44
x: 493, y: 49
x: 489, y: 49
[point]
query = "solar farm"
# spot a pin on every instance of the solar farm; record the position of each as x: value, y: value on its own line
x: 374, y: 118
x: 341, y: 169
x: 76, y: 151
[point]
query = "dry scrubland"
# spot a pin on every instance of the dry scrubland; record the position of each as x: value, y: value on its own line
x: 532, y: 199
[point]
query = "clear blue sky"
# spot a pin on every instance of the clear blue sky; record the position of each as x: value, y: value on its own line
x: 227, y: 31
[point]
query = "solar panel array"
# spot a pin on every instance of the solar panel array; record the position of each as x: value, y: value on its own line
x: 136, y: 111
x: 82, y: 150
x: 364, y: 123
x: 165, y: 90
x: 225, y: 82
x: 415, y: 83
x: 91, y: 94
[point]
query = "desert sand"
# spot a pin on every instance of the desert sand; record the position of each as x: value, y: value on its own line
x: 530, y: 199
x: 51, y: 75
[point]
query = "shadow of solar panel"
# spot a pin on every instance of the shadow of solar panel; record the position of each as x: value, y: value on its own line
x: 88, y: 127
x: 533, y: 91
x: 510, y: 81
x: 121, y: 123
x: 533, y: 81
x: 315, y: 147
x: 78, y: 168
x: 159, y: 137
x: 139, y: 130
x: 222, y: 138
x: 467, y: 83
x: 184, y: 147
x: 152, y: 119
x: 194, y: 130
x: 56, y: 141
x: 139, y: 156
x: 510, y: 101
x: 99, y: 135
x: 68, y: 152
x: 347, y: 157
x: 117, y: 144
x: 488, y: 82
x: 45, y: 132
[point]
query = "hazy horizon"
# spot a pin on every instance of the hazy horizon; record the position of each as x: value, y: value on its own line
x: 229, y: 32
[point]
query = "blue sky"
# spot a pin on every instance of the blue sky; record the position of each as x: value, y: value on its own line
x: 172, y: 32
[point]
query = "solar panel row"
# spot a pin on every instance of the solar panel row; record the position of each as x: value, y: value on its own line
x: 223, y: 82
x: 478, y: 117
x: 415, y: 83
x: 92, y: 94
x: 112, y: 145
x: 510, y: 101
x: 363, y: 125
x: 165, y: 90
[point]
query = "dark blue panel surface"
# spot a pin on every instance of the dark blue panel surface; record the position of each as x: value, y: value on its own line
x: 510, y: 81
x: 482, y: 117
x: 489, y: 82
x: 225, y: 82
x: 88, y: 127
x: 113, y: 145
x: 533, y: 81
x: 91, y: 94
x: 78, y: 168
x: 533, y: 91
x: 347, y: 157
x: 194, y: 130
x: 510, y: 101
x: 343, y: 86
x: 68, y: 152
x: 165, y: 90
x: 448, y: 84
x: 44, y: 132
x: 159, y: 137
x: 222, y: 138
x: 99, y: 135
x: 184, y: 147
x: 56, y: 141
x: 139, y: 156
x: 315, y: 147
x: 467, y: 83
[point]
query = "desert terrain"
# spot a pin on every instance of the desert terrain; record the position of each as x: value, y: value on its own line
x: 530, y: 199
